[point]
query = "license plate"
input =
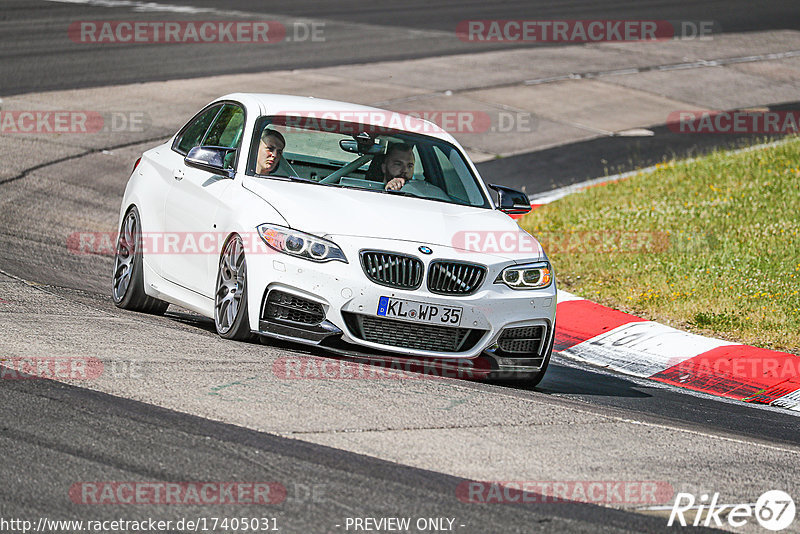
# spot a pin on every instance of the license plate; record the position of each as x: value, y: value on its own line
x: 421, y: 312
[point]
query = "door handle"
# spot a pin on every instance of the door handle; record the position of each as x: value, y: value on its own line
x: 177, y: 174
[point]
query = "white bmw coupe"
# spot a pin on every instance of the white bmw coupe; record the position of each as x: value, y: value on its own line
x: 361, y: 230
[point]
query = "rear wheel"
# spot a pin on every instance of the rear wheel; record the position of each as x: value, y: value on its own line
x: 127, y: 289
x: 230, y: 298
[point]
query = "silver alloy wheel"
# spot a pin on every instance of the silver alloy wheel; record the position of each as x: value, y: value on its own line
x: 125, y: 254
x: 230, y: 285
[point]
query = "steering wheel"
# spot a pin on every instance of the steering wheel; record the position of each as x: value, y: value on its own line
x: 424, y: 189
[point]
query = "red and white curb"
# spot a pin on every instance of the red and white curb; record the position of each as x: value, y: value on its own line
x: 589, y: 332
x: 609, y: 338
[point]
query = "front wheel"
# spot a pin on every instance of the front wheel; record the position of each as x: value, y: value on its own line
x: 534, y: 379
x: 531, y: 379
x: 127, y: 288
x: 230, y: 298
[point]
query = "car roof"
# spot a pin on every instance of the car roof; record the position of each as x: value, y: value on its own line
x: 270, y: 104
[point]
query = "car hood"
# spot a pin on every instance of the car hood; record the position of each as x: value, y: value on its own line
x: 332, y: 211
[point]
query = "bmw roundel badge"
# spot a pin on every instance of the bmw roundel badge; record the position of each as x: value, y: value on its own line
x: 425, y: 250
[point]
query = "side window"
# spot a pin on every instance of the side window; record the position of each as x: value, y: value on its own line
x: 452, y: 181
x: 227, y: 128
x: 193, y: 135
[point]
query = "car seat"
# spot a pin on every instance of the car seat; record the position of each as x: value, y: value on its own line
x: 374, y: 172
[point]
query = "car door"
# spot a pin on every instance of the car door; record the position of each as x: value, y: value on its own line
x: 193, y: 202
x: 165, y: 163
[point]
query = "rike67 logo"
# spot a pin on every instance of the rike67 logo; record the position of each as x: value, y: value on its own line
x: 774, y: 510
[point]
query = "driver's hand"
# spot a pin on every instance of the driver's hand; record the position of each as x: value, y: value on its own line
x: 395, y: 184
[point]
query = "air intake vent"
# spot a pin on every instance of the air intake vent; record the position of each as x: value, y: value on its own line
x: 455, y: 278
x: 283, y: 307
x: 391, y: 269
x: 522, y: 340
x: 410, y: 335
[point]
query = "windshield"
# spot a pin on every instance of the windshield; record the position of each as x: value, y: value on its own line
x: 351, y: 155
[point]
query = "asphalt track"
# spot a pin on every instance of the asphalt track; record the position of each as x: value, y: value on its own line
x: 83, y: 432
x: 34, y: 56
x: 54, y: 434
x: 543, y: 170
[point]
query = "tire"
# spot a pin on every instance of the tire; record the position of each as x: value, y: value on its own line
x: 531, y: 379
x: 534, y: 379
x: 127, y: 283
x: 230, y: 296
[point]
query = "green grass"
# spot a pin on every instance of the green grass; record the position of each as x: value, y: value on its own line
x: 711, y: 245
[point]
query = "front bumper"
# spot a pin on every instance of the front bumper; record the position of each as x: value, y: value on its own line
x: 336, y: 307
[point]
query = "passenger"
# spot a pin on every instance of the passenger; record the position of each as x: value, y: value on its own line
x: 270, y: 150
x: 398, y: 166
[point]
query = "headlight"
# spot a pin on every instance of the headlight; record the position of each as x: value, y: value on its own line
x: 531, y: 276
x: 300, y: 244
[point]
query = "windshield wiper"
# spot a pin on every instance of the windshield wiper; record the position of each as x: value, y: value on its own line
x: 301, y: 179
x: 395, y: 192
x: 290, y: 178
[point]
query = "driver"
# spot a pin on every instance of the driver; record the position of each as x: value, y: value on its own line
x: 398, y: 166
x: 270, y: 150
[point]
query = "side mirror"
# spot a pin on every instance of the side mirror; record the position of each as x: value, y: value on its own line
x: 511, y: 201
x: 211, y: 159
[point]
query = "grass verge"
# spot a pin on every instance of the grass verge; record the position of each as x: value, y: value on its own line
x: 710, y: 245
